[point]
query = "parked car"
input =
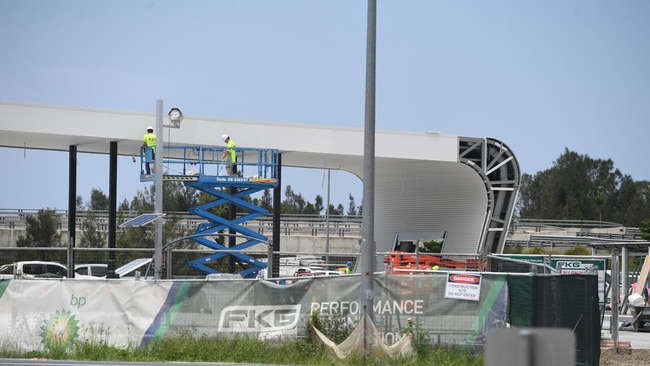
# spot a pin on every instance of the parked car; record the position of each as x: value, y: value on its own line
x: 33, y: 269
x: 314, y: 272
x: 100, y: 270
x: 91, y: 269
x: 45, y: 269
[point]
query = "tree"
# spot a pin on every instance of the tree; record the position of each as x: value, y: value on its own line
x: 287, y: 206
x: 124, y: 206
x: 645, y: 229
x: 318, y: 204
x: 134, y: 237
x: 352, y: 206
x: 535, y: 250
x: 310, y: 209
x: 79, y: 203
x: 267, y: 201
x: 578, y: 187
x: 293, y: 203
x: 143, y: 201
x: 630, y: 205
x: 91, y: 237
x: 338, y: 211
x: 41, y: 230
x: 179, y: 198
x: 98, y: 200
x: 176, y: 198
x: 578, y: 250
x: 432, y: 246
x: 599, y: 200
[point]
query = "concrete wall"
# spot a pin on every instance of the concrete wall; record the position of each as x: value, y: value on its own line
x: 317, y: 244
x: 8, y: 237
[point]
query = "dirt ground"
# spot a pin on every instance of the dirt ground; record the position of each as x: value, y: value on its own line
x: 634, y: 357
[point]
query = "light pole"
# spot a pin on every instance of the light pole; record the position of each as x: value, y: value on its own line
x: 368, y: 247
x: 175, y: 117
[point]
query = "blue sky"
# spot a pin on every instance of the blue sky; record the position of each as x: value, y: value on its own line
x: 539, y: 76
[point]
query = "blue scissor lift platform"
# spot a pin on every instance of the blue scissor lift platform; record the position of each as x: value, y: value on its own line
x: 201, y: 168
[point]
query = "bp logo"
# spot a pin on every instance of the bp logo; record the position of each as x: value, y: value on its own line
x: 59, y: 332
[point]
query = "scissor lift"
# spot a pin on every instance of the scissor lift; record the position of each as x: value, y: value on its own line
x: 201, y: 168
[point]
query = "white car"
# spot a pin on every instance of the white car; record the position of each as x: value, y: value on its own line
x: 314, y: 272
x: 45, y: 269
x: 100, y: 270
x: 91, y: 269
x: 33, y: 269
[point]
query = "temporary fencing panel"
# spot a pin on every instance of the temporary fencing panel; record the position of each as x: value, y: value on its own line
x: 559, y: 301
x: 451, y: 308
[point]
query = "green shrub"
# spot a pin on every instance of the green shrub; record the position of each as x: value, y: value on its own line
x: 578, y: 250
x: 335, y: 327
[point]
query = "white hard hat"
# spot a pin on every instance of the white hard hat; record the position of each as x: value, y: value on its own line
x: 224, y: 137
x: 149, y: 128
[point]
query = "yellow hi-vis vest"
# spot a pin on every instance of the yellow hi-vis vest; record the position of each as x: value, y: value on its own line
x: 231, y: 149
x: 150, y: 140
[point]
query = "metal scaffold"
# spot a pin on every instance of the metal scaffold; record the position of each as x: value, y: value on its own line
x: 201, y: 168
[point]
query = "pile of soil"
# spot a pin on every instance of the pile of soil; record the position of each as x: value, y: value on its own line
x: 633, y: 357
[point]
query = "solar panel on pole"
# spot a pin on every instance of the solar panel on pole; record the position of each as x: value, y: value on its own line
x: 142, y: 220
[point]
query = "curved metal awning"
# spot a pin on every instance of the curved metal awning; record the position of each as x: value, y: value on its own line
x: 423, y: 181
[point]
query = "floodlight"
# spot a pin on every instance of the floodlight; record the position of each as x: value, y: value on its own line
x: 175, y: 117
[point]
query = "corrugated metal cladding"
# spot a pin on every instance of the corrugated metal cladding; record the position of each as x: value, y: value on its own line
x: 429, y: 196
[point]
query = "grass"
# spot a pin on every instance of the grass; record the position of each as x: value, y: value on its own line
x: 187, y: 346
x: 242, y: 349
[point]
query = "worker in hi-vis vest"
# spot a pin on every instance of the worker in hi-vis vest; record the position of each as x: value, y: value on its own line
x: 149, y: 144
x: 348, y: 268
x: 229, y: 155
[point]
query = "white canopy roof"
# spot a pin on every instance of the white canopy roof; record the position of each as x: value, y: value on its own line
x: 423, y: 181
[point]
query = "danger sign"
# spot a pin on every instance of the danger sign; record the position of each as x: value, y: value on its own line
x: 463, y: 286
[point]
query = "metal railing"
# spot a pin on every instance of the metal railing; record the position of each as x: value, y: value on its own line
x: 175, y: 261
x: 206, y: 160
x: 307, y: 225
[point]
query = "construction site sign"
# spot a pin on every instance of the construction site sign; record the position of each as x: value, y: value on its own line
x: 463, y: 286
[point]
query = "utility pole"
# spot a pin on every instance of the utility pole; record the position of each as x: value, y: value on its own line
x: 368, y: 249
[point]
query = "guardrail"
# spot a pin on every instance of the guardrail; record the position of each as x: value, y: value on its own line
x: 541, y: 223
x: 308, y: 225
x: 175, y: 262
x: 206, y: 160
